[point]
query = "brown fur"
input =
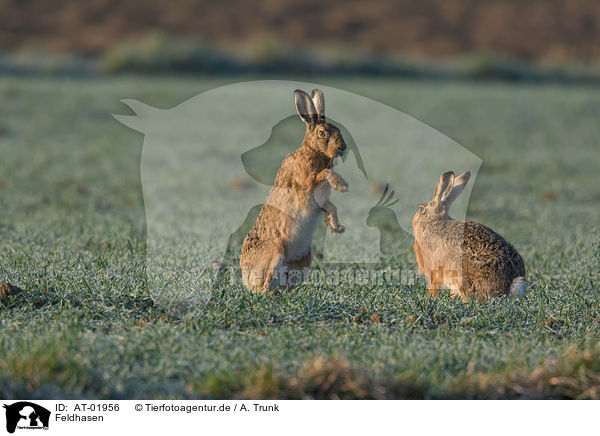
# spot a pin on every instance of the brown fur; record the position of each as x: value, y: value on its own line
x: 281, y: 238
x: 467, y: 257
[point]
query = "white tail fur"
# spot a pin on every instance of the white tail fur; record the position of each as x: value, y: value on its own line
x: 518, y: 287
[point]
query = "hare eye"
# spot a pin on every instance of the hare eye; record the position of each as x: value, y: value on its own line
x: 322, y: 133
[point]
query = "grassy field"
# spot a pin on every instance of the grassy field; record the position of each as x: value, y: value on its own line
x: 72, y: 236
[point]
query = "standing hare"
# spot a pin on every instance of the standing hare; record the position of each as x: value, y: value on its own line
x: 468, y: 258
x: 280, y: 241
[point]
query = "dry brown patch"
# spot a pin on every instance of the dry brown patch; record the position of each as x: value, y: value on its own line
x: 575, y: 374
x: 7, y: 290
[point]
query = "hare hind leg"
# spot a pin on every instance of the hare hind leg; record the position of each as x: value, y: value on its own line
x: 260, y: 265
x: 297, y: 270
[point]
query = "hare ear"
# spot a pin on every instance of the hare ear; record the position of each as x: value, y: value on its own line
x: 444, y: 185
x: 305, y: 107
x: 457, y: 187
x: 318, y: 99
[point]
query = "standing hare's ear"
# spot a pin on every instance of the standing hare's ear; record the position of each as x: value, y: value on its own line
x: 305, y: 107
x: 444, y: 185
x: 318, y: 99
x: 457, y: 187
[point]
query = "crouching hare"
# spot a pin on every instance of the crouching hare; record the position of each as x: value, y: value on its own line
x: 464, y: 256
x: 280, y: 241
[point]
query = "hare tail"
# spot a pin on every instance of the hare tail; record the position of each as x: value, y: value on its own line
x: 517, y: 287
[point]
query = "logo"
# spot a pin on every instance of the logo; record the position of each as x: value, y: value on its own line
x: 208, y: 164
x: 26, y: 415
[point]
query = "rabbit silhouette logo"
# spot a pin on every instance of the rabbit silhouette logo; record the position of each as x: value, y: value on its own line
x: 26, y: 416
x: 208, y: 164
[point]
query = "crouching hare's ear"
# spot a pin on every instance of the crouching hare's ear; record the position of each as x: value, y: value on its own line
x: 444, y: 186
x: 457, y: 186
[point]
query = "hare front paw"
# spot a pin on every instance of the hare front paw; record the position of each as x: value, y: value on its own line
x: 338, y: 183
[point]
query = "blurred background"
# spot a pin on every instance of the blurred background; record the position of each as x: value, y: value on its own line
x: 512, y: 39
